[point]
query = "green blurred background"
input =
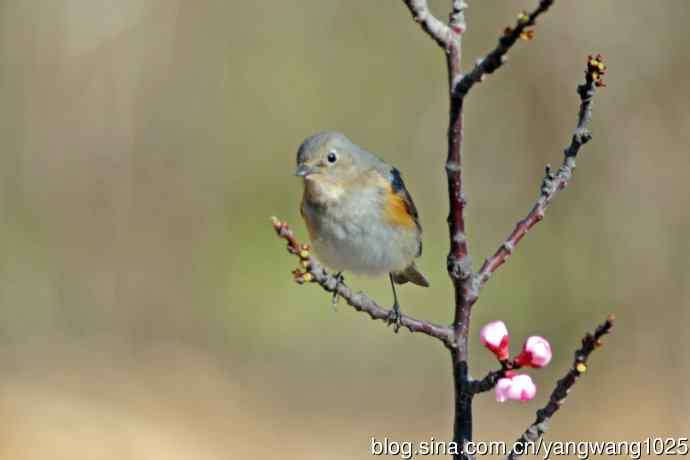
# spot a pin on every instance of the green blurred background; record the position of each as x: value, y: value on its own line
x: 147, y: 308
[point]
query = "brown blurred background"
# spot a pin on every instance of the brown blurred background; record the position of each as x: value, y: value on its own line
x: 147, y: 309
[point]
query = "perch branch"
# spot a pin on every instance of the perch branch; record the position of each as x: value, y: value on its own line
x: 590, y: 342
x: 498, y: 56
x: 553, y: 183
x: 316, y: 273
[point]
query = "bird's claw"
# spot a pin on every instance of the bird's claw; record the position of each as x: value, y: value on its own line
x: 339, y: 280
x: 395, y: 318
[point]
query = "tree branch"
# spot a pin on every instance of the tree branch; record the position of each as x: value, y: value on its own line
x: 437, y: 30
x: 590, y: 342
x: 459, y: 264
x: 497, y: 57
x: 315, y: 273
x: 553, y: 183
x: 489, y: 381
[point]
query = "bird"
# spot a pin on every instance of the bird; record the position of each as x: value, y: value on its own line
x: 359, y: 215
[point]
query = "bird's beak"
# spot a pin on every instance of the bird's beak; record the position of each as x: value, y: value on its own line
x: 304, y: 170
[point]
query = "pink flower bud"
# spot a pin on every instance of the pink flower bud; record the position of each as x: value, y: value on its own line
x: 494, y: 336
x: 502, y: 387
x: 518, y: 387
x: 535, y: 353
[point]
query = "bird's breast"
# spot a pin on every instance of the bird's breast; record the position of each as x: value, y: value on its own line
x: 351, y: 229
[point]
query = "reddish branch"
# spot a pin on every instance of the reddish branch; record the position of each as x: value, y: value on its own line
x: 590, y: 342
x: 459, y: 264
x: 553, y: 183
x: 311, y: 271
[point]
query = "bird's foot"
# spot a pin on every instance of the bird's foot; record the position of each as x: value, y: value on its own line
x: 394, y: 318
x: 339, y: 280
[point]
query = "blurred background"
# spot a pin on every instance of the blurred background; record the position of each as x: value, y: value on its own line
x: 147, y: 309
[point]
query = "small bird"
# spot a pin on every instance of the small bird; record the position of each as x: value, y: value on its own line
x: 359, y: 215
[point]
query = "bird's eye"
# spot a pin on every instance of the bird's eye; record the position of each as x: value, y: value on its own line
x: 331, y: 157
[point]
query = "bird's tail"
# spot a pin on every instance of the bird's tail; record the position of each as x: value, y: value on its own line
x: 412, y: 275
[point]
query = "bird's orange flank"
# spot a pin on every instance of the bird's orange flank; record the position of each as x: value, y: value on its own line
x: 397, y: 211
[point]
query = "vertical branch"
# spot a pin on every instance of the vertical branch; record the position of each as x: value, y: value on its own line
x: 459, y: 263
x: 448, y: 36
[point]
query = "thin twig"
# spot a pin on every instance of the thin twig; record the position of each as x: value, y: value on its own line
x: 456, y: 19
x: 497, y: 57
x: 590, y: 342
x: 312, y: 271
x: 490, y: 380
x: 552, y: 183
x: 437, y: 30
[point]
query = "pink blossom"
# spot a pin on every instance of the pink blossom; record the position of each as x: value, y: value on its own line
x: 494, y: 336
x: 518, y: 387
x: 502, y: 387
x: 536, y: 352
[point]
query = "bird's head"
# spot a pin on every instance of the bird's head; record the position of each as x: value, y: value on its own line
x: 331, y: 156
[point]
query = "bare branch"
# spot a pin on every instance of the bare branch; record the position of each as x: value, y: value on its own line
x: 497, y: 57
x: 314, y: 272
x: 553, y: 183
x: 440, y: 32
x: 590, y: 342
x: 459, y: 263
